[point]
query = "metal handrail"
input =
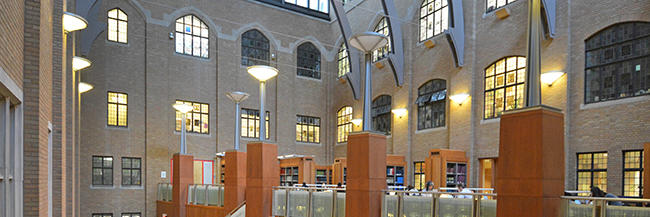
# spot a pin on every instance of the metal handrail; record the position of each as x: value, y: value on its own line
x: 435, y: 200
x: 622, y: 199
x: 311, y: 190
x: 598, y: 204
x: 194, y: 188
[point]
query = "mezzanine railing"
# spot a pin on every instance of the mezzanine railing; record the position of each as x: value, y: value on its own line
x: 207, y: 195
x: 604, y: 207
x: 445, y: 204
x: 308, y: 202
x: 164, y: 192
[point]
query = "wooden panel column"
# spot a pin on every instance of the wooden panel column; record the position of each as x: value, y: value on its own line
x: 234, y: 180
x: 183, y: 176
x: 262, y: 173
x: 530, y: 178
x: 646, y: 170
x: 366, y: 162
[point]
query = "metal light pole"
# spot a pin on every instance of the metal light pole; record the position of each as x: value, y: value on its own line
x: 367, y: 42
x: 183, y: 109
x: 262, y: 73
x: 237, y: 97
x: 533, y: 66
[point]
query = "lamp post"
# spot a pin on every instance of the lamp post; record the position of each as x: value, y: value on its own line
x: 262, y: 73
x: 237, y: 97
x: 367, y: 42
x: 183, y: 109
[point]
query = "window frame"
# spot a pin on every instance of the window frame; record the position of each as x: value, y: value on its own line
x: 102, y: 214
x: 131, y: 214
x: 382, y: 53
x: 496, y: 7
x: 307, y: 125
x: 505, y: 86
x: 304, y: 61
x: 300, y: 9
x: 341, y: 125
x: 192, y: 112
x: 102, y: 168
x: 246, y: 59
x: 131, y: 169
x: 591, y: 170
x: 422, y: 173
x: 430, y: 105
x: 388, y: 113
x: 192, y: 35
x: 117, y: 109
x: 117, y: 22
x: 255, y: 120
x: 343, y: 61
x: 424, y: 18
x: 638, y: 169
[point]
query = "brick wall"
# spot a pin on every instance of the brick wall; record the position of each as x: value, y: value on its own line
x: 11, y: 42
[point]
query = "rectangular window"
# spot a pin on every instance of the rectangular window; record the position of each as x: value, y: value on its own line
x: 131, y: 171
x: 250, y: 123
x: 136, y: 214
x: 102, y: 214
x: 592, y: 171
x: 418, y: 175
x: 307, y: 129
x: 117, y: 109
x: 102, y: 170
x: 633, y: 173
x: 196, y: 121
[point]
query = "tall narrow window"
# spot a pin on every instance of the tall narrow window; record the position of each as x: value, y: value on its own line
x: 254, y: 48
x: 131, y: 171
x: 418, y: 175
x: 117, y: 109
x: 633, y: 173
x: 102, y: 170
x: 250, y: 123
x: 196, y: 120
x: 592, y: 171
x: 617, y: 62
x: 307, y: 129
x: 381, y: 116
x: 504, y: 86
x: 492, y: 5
x: 343, y: 61
x: 434, y: 18
x: 343, y: 123
x: 308, y: 60
x: 431, y: 104
x: 192, y: 36
x: 117, y: 25
x: 382, y: 28
x: 131, y: 214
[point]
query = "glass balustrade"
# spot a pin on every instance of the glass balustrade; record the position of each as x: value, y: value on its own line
x: 440, y: 204
x: 601, y: 207
x: 164, y: 192
x: 207, y: 195
x: 308, y: 202
x: 488, y: 208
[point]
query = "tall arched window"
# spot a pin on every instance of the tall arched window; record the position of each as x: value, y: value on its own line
x: 504, y: 86
x: 117, y: 25
x: 434, y: 18
x: 431, y: 104
x: 192, y: 36
x: 491, y: 5
x: 381, y: 116
x: 308, y: 60
x: 382, y: 27
x: 343, y: 123
x: 617, y: 61
x: 343, y: 61
x: 254, y: 48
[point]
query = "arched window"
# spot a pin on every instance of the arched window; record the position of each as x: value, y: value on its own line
x: 492, y: 5
x: 343, y: 123
x: 504, y: 85
x: 617, y: 61
x: 117, y: 26
x: 431, y: 104
x: 434, y: 18
x: 192, y: 36
x: 381, y: 117
x: 308, y: 60
x: 343, y: 61
x: 254, y: 48
x: 382, y: 27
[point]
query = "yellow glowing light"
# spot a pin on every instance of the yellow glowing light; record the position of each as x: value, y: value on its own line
x: 400, y: 112
x: 79, y: 63
x: 549, y: 78
x: 73, y: 22
x: 459, y: 98
x: 85, y: 87
x: 356, y: 122
x: 262, y: 73
x: 182, y: 107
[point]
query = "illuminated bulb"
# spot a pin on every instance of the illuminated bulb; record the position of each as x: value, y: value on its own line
x: 73, y: 22
x: 400, y: 112
x: 459, y: 98
x: 262, y: 73
x: 79, y: 63
x: 356, y: 122
x: 182, y: 107
x: 549, y: 78
x: 84, y: 87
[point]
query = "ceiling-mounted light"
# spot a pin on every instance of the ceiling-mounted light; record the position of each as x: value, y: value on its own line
x: 85, y: 87
x: 549, y: 78
x: 400, y: 112
x: 73, y: 22
x: 79, y: 63
x: 459, y: 98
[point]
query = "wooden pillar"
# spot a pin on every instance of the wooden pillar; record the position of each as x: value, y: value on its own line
x: 646, y: 170
x: 234, y: 180
x: 531, y: 162
x: 366, y: 177
x: 262, y: 173
x: 181, y: 179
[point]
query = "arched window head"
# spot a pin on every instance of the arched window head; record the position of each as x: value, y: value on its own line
x: 382, y: 28
x: 492, y: 5
x: 381, y: 114
x: 431, y: 104
x: 192, y: 36
x: 308, y: 60
x: 343, y: 61
x: 617, y: 62
x: 434, y: 18
x: 117, y: 26
x: 504, y: 86
x: 343, y: 124
x: 254, y: 48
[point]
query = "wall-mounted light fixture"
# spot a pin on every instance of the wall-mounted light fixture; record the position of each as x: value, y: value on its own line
x: 73, y: 22
x: 356, y: 122
x: 459, y: 98
x: 85, y: 87
x: 549, y: 78
x: 79, y: 63
x: 400, y: 112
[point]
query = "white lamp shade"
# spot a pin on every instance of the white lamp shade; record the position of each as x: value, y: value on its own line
x: 237, y: 96
x: 459, y: 98
x: 73, y: 22
x: 368, y: 41
x: 356, y: 122
x: 549, y: 78
x: 400, y: 112
x: 85, y: 87
x: 262, y: 72
x: 182, y: 107
x: 79, y: 63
